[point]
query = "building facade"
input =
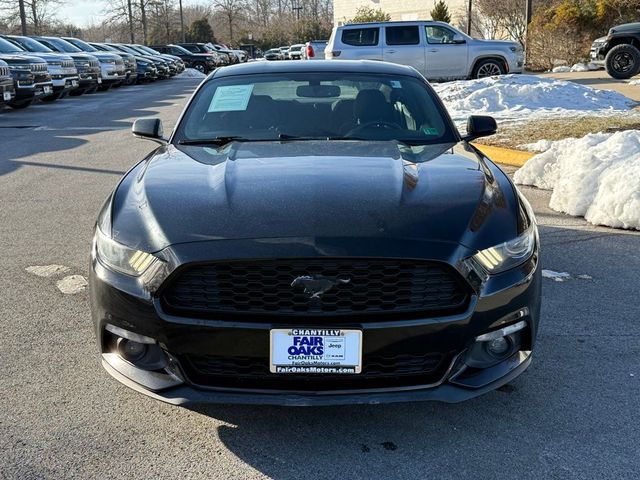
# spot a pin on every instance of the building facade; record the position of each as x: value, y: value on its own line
x: 398, y: 9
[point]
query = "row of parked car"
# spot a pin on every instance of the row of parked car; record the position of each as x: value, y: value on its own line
x: 312, y: 50
x: 43, y: 68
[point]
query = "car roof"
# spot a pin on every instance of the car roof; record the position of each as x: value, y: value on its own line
x: 395, y: 22
x: 347, y: 66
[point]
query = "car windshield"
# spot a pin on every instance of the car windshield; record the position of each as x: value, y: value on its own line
x: 31, y: 45
x: 124, y: 48
x: 178, y: 48
x: 8, y: 47
x: 317, y: 105
x: 148, y: 50
x: 84, y: 46
x: 60, y: 45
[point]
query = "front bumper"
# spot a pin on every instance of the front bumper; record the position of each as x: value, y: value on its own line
x: 597, y: 53
x: 112, y: 73
x: 120, y: 301
x: 7, y: 90
x: 63, y: 83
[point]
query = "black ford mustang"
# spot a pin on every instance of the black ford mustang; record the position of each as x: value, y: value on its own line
x: 315, y: 233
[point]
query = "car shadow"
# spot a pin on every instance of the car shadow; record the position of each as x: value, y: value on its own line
x: 69, y: 123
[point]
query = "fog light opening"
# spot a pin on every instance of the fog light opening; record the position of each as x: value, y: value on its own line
x: 498, y: 347
x: 131, y: 351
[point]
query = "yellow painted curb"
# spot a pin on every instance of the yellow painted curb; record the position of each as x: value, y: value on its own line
x: 507, y: 156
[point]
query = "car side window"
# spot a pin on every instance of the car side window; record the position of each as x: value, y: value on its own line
x: 361, y: 37
x: 402, y: 35
x: 438, y: 34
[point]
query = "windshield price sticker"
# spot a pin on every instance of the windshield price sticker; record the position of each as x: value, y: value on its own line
x: 231, y: 98
x: 316, y: 351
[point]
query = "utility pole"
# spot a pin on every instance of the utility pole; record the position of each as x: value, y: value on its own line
x: 297, y: 8
x: 181, y: 24
x: 469, y: 18
x: 23, y: 17
x: 133, y: 38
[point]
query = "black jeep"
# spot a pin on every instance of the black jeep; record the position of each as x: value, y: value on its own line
x: 619, y: 51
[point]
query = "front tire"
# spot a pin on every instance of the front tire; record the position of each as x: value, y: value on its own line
x: 199, y: 66
x: 623, y: 61
x: 488, y: 67
x: 20, y: 104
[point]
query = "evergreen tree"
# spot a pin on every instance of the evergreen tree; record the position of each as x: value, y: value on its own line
x: 440, y: 12
x: 200, y: 31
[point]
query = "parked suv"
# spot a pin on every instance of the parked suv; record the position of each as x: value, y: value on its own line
x: 619, y: 51
x: 226, y: 58
x: 435, y: 49
x: 107, y: 61
x: 136, y: 68
x: 7, y: 90
x: 62, y: 69
x: 87, y: 64
x: 203, y: 62
x: 31, y: 77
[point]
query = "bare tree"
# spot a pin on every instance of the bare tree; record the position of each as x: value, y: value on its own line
x: 232, y: 11
x: 37, y: 14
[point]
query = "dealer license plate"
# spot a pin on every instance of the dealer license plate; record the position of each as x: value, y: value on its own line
x: 47, y: 89
x: 7, y: 96
x: 309, y: 350
x: 99, y: 80
x: 74, y: 83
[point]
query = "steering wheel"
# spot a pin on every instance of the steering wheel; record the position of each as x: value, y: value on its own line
x: 377, y: 123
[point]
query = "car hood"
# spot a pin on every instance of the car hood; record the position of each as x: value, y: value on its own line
x: 82, y: 56
x: 498, y: 43
x: 53, y: 57
x: 20, y: 59
x: 310, y: 189
x: 626, y: 27
x: 102, y: 56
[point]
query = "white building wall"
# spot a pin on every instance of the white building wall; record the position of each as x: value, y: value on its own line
x: 398, y: 9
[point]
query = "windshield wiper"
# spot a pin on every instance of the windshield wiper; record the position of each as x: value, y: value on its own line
x: 218, y: 141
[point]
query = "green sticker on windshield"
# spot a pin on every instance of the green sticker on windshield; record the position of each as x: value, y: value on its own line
x: 430, y: 131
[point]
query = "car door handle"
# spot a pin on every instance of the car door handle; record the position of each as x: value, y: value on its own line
x: 391, y: 51
x: 434, y: 50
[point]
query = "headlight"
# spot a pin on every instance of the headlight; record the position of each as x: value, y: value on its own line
x: 509, y: 254
x: 121, y: 258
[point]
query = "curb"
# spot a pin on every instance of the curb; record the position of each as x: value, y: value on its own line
x: 506, y: 156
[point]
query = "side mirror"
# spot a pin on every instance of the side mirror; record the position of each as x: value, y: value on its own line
x: 480, y: 126
x: 149, y: 128
x: 457, y: 38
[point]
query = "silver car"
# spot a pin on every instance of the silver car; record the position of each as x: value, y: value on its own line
x: 435, y: 49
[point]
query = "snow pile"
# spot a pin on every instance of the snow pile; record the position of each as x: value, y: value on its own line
x: 596, y: 176
x: 527, y: 97
x: 561, y: 69
x: 539, y: 146
x: 578, y: 67
x: 191, y: 73
x: 634, y: 82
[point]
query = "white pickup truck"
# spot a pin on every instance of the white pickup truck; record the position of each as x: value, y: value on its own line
x: 435, y: 49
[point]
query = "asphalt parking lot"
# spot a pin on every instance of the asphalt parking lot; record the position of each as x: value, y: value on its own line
x: 574, y: 414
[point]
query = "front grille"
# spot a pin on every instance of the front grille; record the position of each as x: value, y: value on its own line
x: 264, y: 288
x: 379, y: 370
x: 94, y: 63
x: 68, y: 64
x: 4, y: 72
x: 38, y: 67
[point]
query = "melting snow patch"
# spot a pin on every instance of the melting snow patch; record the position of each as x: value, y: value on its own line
x: 557, y: 276
x: 528, y: 97
x: 72, y: 284
x: 191, y: 73
x: 561, y: 69
x: 596, y: 177
x: 47, y: 270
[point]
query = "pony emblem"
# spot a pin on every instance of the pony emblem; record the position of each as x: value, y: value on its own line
x: 317, y: 285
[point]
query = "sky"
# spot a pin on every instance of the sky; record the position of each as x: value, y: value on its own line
x: 81, y: 12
